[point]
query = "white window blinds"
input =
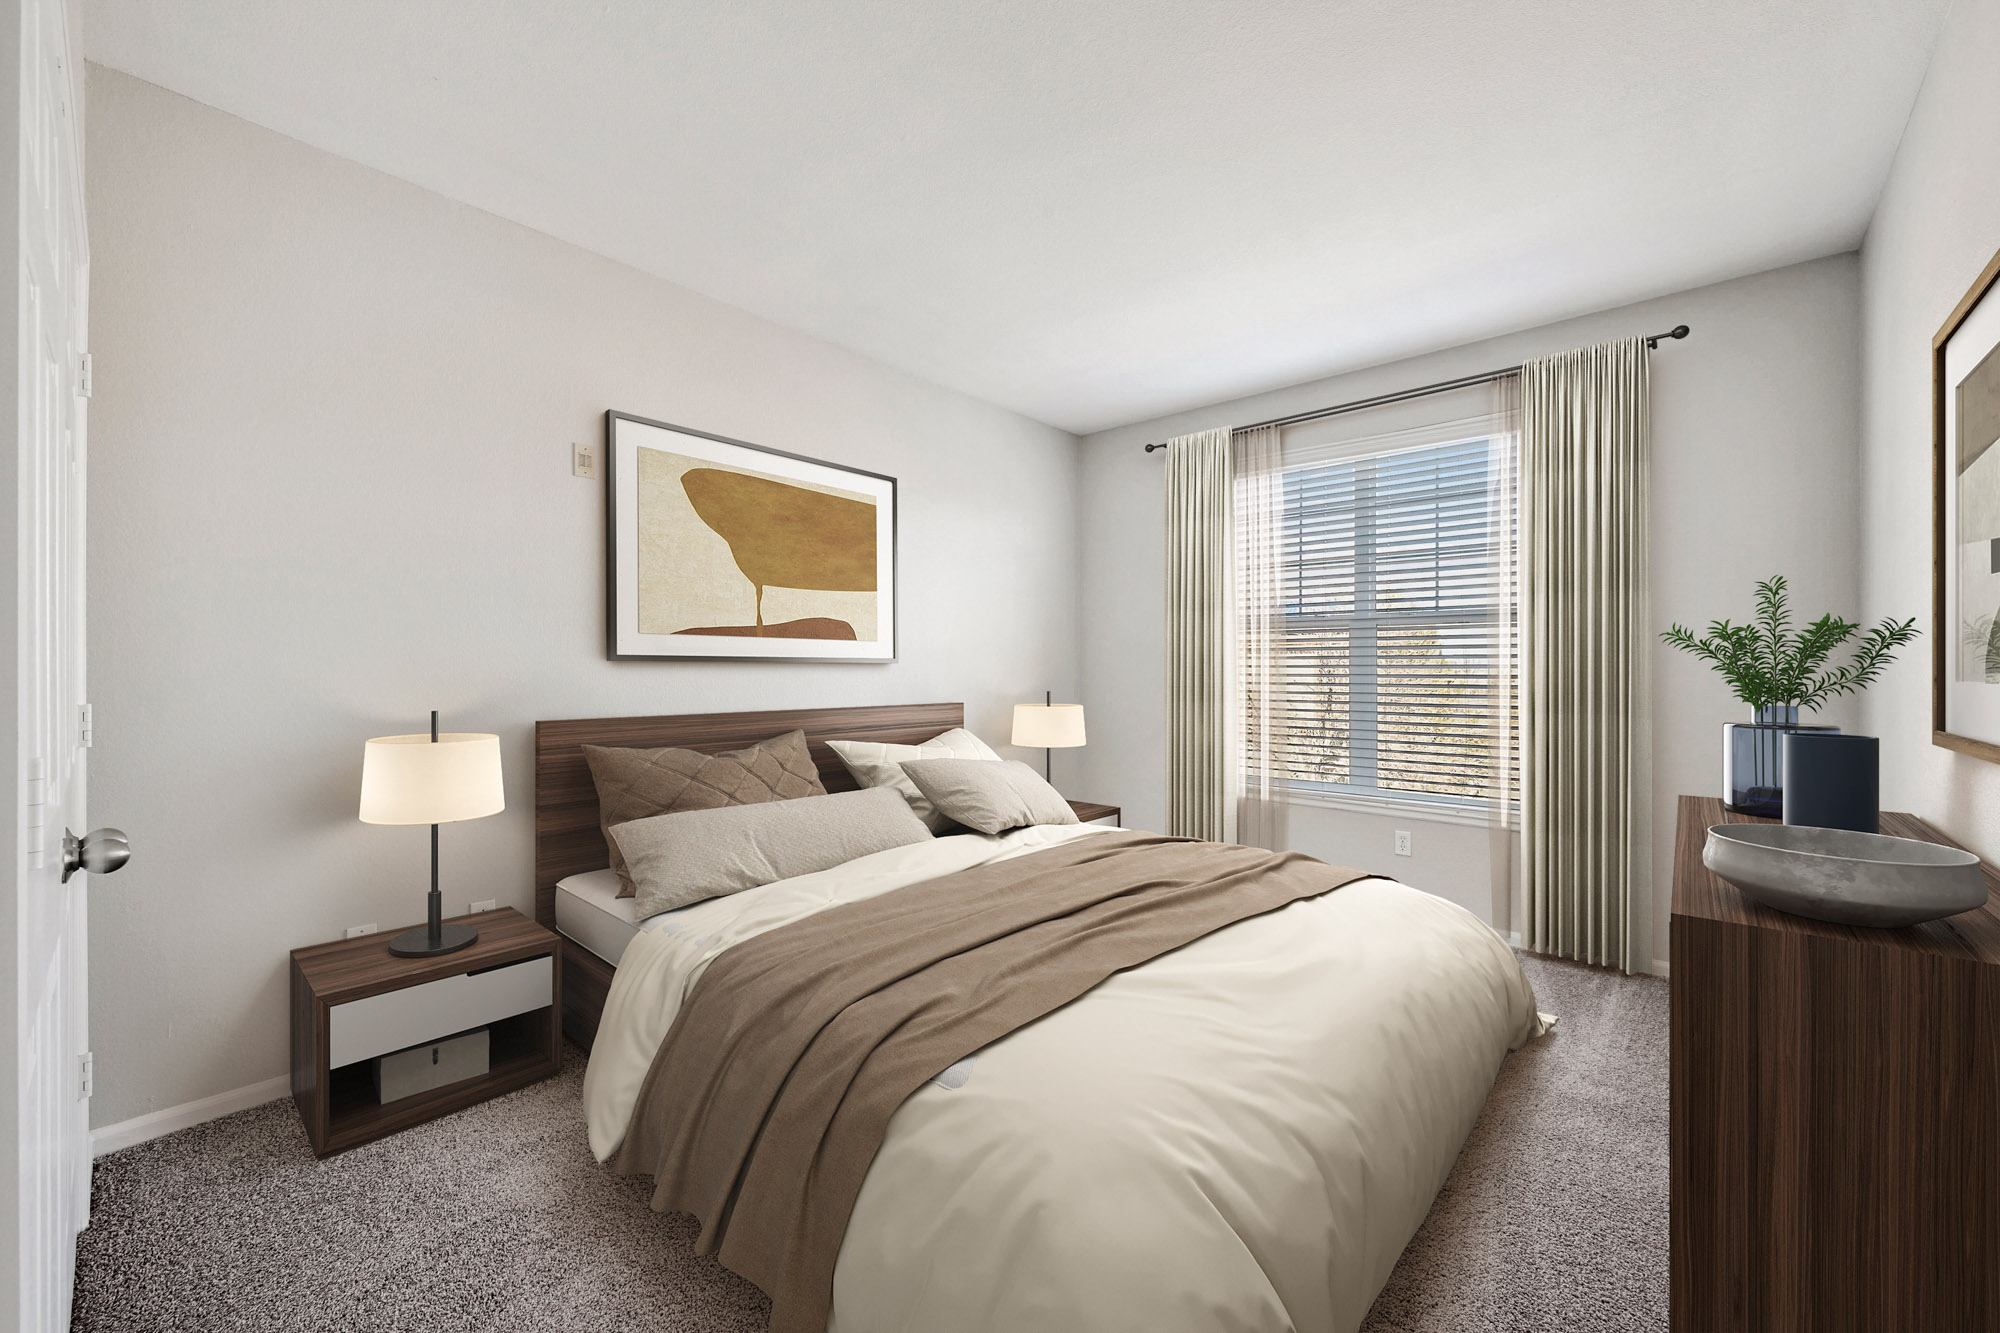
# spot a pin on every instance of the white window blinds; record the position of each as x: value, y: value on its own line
x: 1394, y: 629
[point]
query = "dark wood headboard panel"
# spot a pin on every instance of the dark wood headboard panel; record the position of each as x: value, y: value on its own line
x: 567, y: 839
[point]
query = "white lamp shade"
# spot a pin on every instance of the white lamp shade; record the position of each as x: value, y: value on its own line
x: 413, y: 780
x: 1048, y: 726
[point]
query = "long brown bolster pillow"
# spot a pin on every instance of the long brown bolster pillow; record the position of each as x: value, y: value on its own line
x: 770, y: 1096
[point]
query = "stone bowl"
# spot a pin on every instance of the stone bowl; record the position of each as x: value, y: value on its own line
x: 1855, y: 879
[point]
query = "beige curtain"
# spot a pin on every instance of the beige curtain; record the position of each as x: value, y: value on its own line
x: 1201, y: 633
x: 1257, y: 465
x: 1586, y: 700
x: 1503, y: 491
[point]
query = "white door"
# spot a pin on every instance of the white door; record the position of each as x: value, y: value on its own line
x: 51, y: 1108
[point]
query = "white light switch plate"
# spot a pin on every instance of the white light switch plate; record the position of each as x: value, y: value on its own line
x: 354, y: 931
x: 583, y: 460
x: 1402, y: 842
x: 491, y: 904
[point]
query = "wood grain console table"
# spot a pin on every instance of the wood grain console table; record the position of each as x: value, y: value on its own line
x: 1835, y: 1110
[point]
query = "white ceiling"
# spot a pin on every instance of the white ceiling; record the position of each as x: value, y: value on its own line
x: 1098, y: 211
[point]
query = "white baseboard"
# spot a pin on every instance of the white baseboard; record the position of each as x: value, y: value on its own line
x: 153, y: 1124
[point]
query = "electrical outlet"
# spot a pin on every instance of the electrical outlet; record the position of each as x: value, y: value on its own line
x: 583, y: 461
x: 491, y: 904
x: 1402, y: 842
x: 356, y: 931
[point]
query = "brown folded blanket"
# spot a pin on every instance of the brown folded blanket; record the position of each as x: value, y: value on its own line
x: 769, y: 1097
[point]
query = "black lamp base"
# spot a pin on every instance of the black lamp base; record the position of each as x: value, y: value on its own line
x: 416, y: 941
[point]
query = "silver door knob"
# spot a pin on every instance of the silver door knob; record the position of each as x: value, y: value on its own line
x: 99, y: 851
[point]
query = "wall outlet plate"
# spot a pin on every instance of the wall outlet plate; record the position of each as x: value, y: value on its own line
x: 490, y: 905
x: 355, y: 932
x: 1402, y: 842
x: 583, y: 460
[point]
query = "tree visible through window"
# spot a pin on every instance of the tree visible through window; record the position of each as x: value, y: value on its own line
x: 1396, y: 626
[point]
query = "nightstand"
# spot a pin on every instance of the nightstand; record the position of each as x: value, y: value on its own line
x: 1090, y: 812
x: 352, y: 1000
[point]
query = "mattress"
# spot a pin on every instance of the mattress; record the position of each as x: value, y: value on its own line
x: 589, y: 911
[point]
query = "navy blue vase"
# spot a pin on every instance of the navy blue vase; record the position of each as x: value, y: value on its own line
x: 1753, y: 760
x: 1833, y: 781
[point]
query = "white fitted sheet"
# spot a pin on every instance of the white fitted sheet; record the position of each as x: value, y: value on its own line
x: 589, y: 911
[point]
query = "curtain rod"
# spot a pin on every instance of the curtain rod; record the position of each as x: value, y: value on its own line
x: 1653, y: 340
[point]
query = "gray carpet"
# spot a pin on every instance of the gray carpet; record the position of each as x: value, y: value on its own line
x: 496, y: 1219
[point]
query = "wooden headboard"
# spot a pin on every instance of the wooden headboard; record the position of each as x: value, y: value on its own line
x: 567, y: 838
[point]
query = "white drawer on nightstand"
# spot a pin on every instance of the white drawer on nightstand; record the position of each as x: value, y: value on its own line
x: 361, y: 1029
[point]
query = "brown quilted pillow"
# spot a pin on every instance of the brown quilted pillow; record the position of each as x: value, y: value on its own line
x: 638, y: 784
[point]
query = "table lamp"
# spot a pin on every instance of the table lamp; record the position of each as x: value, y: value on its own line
x: 1048, y: 726
x: 431, y: 780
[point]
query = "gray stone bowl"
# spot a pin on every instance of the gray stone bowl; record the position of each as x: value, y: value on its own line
x: 1856, y: 879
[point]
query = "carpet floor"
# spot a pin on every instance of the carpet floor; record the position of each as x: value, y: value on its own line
x: 496, y: 1220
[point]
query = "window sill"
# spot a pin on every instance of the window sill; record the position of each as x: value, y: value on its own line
x: 1400, y: 807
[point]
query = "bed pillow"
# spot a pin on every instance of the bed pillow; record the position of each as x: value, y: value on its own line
x: 875, y: 764
x: 638, y: 784
x: 989, y: 797
x: 684, y: 858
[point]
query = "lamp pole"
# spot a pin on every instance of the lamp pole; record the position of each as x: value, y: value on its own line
x: 437, y: 898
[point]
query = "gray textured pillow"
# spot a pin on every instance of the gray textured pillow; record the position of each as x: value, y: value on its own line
x: 989, y: 797
x: 878, y: 764
x: 683, y: 858
x: 636, y: 784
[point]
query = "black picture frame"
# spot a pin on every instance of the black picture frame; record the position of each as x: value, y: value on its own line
x: 624, y: 642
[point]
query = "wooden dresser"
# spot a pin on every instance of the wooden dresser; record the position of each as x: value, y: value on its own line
x: 1835, y: 1111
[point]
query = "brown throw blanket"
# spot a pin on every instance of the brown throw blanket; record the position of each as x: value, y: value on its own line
x: 769, y: 1097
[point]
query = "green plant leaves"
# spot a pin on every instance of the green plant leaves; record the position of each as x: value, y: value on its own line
x: 1767, y: 664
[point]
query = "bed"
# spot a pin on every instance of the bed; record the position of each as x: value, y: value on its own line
x: 569, y: 842
x: 1241, y: 1133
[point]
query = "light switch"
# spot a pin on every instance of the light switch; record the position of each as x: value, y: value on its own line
x: 583, y: 460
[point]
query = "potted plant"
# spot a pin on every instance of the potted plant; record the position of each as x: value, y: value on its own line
x: 1777, y: 672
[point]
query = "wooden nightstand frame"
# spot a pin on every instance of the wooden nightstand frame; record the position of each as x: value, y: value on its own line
x: 324, y: 975
x: 1088, y: 812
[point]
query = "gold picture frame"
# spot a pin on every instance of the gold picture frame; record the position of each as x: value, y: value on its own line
x: 1965, y: 523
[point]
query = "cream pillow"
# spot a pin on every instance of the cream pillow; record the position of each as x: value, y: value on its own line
x: 685, y: 857
x: 989, y: 798
x: 875, y: 764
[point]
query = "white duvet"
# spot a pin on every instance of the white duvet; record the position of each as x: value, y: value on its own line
x: 1239, y: 1135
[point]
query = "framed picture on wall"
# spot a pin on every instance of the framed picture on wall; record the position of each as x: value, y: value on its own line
x: 720, y: 549
x: 1965, y: 411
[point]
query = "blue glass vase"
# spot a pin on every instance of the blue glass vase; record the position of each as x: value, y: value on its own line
x: 1753, y: 760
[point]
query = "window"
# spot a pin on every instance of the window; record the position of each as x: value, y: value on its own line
x: 1395, y: 634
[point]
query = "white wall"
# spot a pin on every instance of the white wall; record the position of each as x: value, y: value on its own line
x: 1754, y: 465
x: 331, y: 490
x: 1935, y: 230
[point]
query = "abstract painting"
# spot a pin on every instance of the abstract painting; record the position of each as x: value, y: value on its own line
x: 720, y: 548
x: 1966, y: 465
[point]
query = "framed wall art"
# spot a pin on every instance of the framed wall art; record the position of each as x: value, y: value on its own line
x: 720, y: 549
x: 1965, y: 411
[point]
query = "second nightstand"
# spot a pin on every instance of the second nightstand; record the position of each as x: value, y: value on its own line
x: 353, y: 1001
x: 1090, y: 812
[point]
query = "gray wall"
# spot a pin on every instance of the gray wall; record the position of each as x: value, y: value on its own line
x: 1935, y: 230
x: 1754, y: 464
x: 331, y: 490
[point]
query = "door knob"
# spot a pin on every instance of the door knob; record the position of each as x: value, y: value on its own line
x: 99, y: 851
